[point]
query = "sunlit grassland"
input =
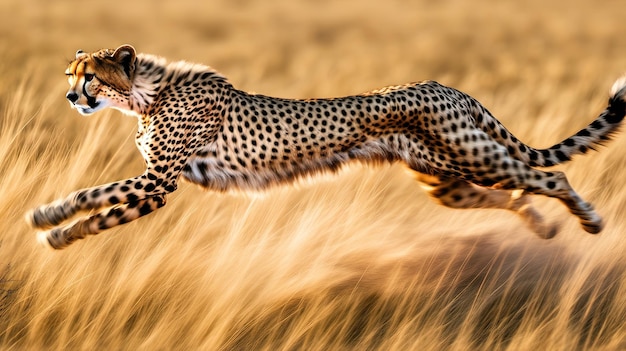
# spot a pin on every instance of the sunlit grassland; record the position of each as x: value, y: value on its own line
x: 352, y: 261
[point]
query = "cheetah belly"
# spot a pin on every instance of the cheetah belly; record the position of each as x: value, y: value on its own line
x: 219, y: 170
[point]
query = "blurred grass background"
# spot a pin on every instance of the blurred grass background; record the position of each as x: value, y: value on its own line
x: 357, y: 261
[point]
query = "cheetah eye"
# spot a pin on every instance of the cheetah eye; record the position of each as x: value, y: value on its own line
x: 89, y: 76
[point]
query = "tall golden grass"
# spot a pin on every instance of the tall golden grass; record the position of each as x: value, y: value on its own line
x: 361, y: 260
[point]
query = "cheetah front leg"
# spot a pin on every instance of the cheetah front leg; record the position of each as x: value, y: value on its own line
x: 60, y: 237
x: 125, y: 201
x: 165, y: 153
x: 131, y: 190
x: 456, y: 193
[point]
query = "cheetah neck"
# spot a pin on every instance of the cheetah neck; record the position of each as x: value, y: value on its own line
x: 153, y: 73
x: 149, y: 72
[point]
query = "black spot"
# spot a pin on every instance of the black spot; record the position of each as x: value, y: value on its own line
x: 551, y: 185
x: 569, y: 142
x: 614, y: 118
x: 583, y: 133
x: 510, y: 149
x: 82, y: 197
x: 132, y: 199
x: 145, y: 209
x: 503, y: 134
x: 616, y: 109
x: 561, y: 156
x: 597, y: 124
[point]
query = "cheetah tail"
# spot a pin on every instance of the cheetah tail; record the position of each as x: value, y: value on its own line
x: 596, y: 133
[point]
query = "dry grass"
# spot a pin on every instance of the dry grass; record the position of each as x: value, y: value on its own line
x: 362, y: 260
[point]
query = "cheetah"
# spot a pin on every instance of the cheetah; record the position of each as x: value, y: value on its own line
x: 193, y: 124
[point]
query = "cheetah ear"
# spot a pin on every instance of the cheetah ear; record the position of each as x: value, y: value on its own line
x: 125, y: 56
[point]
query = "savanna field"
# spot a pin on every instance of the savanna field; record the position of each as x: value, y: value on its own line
x: 360, y: 260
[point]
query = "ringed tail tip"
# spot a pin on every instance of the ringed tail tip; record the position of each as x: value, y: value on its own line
x: 618, y: 90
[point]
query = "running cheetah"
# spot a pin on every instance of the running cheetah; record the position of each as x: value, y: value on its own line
x: 193, y: 122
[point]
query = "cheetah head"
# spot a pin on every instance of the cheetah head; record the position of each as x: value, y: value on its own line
x: 101, y: 79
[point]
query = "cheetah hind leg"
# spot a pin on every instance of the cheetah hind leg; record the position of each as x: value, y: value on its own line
x: 555, y: 184
x: 460, y: 194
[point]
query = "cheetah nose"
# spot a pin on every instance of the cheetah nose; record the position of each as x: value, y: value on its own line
x: 72, y: 97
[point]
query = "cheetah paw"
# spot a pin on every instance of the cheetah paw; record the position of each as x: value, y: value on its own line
x: 42, y: 239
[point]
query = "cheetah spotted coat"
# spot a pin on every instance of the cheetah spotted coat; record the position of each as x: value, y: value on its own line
x: 192, y: 123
